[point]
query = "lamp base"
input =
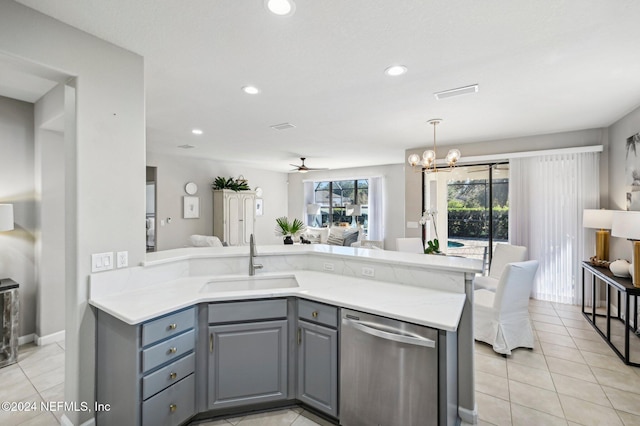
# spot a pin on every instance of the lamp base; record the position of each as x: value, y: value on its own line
x: 602, y: 244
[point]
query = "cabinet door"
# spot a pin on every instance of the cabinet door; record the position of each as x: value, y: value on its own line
x: 247, y: 363
x: 232, y: 219
x: 248, y: 217
x: 318, y: 367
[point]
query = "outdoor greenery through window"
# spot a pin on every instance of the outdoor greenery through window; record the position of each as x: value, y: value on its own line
x: 335, y: 196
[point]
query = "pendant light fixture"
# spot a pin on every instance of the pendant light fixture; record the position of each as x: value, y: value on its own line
x: 428, y: 162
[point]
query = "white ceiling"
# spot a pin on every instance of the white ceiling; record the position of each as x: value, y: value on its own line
x: 543, y: 66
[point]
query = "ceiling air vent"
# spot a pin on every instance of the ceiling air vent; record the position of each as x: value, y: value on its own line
x: 283, y: 126
x: 186, y: 146
x: 456, y: 92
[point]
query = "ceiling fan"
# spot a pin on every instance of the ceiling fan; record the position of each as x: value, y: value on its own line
x: 301, y: 168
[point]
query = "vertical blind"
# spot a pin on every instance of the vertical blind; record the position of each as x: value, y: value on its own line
x: 547, y: 195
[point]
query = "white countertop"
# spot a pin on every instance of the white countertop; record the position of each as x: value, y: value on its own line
x: 423, y: 306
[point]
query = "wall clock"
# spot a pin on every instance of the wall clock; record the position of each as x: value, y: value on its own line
x: 191, y: 188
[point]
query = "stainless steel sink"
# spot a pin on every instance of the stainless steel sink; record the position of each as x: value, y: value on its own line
x: 249, y: 283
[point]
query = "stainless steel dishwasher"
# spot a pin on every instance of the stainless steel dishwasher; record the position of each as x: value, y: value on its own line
x: 389, y: 373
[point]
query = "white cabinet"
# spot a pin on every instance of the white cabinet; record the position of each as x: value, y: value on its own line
x: 233, y: 215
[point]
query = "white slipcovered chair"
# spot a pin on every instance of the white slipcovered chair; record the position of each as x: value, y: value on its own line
x: 410, y: 245
x: 502, y: 255
x: 501, y: 318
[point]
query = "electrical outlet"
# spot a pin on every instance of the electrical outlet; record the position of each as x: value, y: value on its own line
x: 328, y: 266
x: 367, y: 271
x: 101, y: 262
x: 122, y: 259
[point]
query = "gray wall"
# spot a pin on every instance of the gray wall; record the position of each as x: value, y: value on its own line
x: 17, y: 247
x: 579, y: 138
x: 393, y: 193
x: 618, y: 134
x: 175, y: 171
x: 50, y: 192
x: 104, y: 154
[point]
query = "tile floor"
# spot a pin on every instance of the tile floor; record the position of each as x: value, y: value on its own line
x: 570, y: 378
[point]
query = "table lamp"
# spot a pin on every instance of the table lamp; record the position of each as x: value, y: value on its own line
x: 627, y: 225
x: 600, y: 220
x: 353, y: 210
x: 6, y: 217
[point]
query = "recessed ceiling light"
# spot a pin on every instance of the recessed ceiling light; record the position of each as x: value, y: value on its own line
x: 251, y: 90
x: 196, y: 131
x: 280, y: 7
x: 395, y: 70
x: 186, y: 146
x: 456, y: 92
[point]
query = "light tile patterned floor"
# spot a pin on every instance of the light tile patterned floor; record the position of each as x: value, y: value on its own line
x: 570, y: 378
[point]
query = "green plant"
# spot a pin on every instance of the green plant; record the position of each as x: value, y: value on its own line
x: 284, y: 227
x: 433, y: 247
x: 222, y: 182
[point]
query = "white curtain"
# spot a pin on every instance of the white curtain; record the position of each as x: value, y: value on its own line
x: 309, y: 198
x: 376, y: 214
x: 547, y: 195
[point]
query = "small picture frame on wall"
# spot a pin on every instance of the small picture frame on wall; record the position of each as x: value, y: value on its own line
x: 191, y: 207
x: 259, y: 206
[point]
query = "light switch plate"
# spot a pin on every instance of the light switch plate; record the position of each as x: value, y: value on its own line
x: 101, y: 262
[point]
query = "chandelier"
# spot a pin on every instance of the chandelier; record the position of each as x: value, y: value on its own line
x: 428, y: 162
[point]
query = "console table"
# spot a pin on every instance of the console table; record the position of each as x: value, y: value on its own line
x: 624, y: 288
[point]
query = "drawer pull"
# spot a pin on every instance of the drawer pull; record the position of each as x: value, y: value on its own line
x: 173, y: 326
x: 314, y: 314
x: 173, y: 408
x: 173, y: 350
x: 173, y: 375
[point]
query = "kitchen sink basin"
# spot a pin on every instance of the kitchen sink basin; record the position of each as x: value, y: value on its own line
x: 249, y: 283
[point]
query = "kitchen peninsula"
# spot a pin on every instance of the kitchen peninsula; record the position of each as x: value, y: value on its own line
x: 187, y: 321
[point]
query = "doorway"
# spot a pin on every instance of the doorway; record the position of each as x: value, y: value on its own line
x: 150, y: 220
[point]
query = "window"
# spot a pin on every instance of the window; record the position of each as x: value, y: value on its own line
x: 334, y: 197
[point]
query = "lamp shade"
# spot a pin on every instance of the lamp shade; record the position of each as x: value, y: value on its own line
x: 313, y: 209
x: 6, y: 217
x: 626, y: 224
x: 353, y: 210
x: 597, y: 218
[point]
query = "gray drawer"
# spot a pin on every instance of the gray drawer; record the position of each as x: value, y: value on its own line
x: 167, y: 350
x: 318, y: 312
x: 168, y: 326
x: 172, y: 406
x: 166, y: 376
x: 247, y: 311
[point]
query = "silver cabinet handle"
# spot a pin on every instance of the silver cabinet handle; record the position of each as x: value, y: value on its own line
x: 401, y: 338
x: 173, y: 326
x: 173, y: 376
x: 173, y: 408
x: 173, y: 350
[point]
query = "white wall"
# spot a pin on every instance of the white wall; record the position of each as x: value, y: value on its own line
x: 393, y: 194
x: 17, y: 247
x: 618, y: 134
x: 175, y: 171
x: 413, y: 183
x: 105, y: 158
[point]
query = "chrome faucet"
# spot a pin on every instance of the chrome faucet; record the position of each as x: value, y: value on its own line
x: 252, y: 254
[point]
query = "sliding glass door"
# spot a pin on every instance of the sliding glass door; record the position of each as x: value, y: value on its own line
x: 472, y: 205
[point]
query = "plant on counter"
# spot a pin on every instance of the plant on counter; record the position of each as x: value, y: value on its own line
x: 433, y: 246
x: 288, y: 229
x: 235, y: 184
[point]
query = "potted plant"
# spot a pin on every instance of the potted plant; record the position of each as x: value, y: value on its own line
x: 433, y: 246
x: 288, y: 229
x: 235, y: 184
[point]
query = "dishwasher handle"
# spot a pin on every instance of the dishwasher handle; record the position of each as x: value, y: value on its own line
x: 367, y: 328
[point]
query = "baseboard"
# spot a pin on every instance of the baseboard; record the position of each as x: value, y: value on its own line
x: 26, y: 339
x: 468, y: 416
x: 64, y: 421
x: 50, y: 338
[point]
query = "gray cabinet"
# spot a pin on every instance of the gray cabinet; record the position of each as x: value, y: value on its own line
x: 318, y: 356
x: 146, y: 372
x: 248, y: 353
x: 233, y: 215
